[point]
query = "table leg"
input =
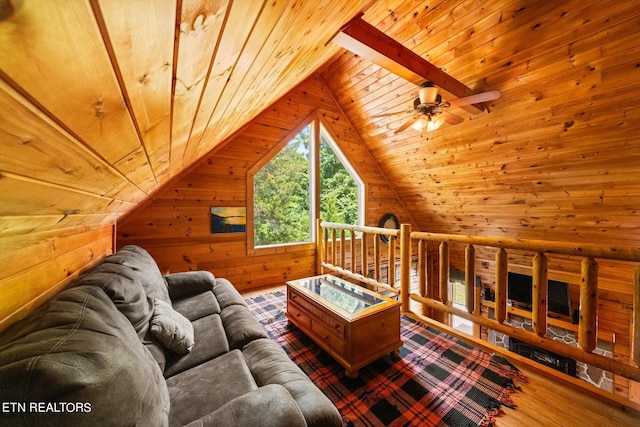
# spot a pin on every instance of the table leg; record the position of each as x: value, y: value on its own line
x: 352, y: 374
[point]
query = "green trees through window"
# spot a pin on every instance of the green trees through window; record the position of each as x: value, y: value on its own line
x: 282, y: 193
x: 338, y: 190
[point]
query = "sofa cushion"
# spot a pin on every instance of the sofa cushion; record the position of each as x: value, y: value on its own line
x: 226, y: 294
x: 268, y: 406
x: 240, y: 326
x: 211, y: 341
x: 197, y: 306
x: 79, y: 348
x: 171, y: 329
x: 269, y: 364
x: 188, y: 283
x: 125, y: 289
x: 204, y: 388
x: 144, y: 267
x: 123, y: 276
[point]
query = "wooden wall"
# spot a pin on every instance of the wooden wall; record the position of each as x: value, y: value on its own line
x: 174, y: 225
x: 36, y: 266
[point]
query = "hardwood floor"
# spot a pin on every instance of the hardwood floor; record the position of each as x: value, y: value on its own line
x: 545, y: 402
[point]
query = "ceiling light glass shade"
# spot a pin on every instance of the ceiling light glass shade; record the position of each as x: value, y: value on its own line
x: 420, y: 124
x: 428, y: 122
x: 428, y: 93
x: 435, y: 123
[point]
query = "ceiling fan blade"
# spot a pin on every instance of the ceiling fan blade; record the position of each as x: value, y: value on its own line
x: 452, y: 119
x: 406, y: 124
x: 478, y: 98
x: 389, y: 114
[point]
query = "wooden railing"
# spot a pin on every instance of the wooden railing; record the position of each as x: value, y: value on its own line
x: 333, y: 254
x: 341, y: 250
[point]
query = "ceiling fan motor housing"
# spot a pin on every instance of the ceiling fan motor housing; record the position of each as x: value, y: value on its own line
x: 428, y: 93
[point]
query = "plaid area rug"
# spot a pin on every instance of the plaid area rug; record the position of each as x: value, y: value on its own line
x: 436, y: 381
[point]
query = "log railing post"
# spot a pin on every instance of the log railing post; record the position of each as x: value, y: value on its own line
x: 540, y: 291
x: 334, y: 247
x: 587, y: 329
x: 501, y: 285
x: 470, y: 277
x: 444, y: 272
x: 405, y: 265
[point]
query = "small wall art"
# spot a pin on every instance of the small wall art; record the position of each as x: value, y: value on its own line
x: 228, y: 220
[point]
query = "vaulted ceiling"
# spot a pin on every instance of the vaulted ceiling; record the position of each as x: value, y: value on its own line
x: 104, y: 101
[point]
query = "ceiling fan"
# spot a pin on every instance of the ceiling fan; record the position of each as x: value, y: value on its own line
x: 429, y: 111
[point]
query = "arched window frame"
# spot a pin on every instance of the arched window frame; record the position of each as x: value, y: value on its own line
x: 317, y: 129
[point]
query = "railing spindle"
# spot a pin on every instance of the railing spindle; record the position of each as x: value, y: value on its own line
x: 365, y: 255
x: 405, y: 265
x: 587, y: 329
x: 422, y: 267
x: 391, y: 274
x: 326, y: 245
x: 540, y: 290
x: 376, y: 258
x: 354, y: 261
x: 319, y: 252
x: 501, y: 285
x: 444, y: 272
x: 470, y: 277
x: 343, y: 255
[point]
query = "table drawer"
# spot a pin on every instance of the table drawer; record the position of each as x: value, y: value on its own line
x: 317, y: 313
x: 298, y: 317
x: 328, y: 337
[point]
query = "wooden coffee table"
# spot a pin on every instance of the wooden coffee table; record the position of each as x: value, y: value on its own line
x: 354, y: 325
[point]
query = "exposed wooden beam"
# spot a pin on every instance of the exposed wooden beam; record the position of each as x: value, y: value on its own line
x: 367, y: 41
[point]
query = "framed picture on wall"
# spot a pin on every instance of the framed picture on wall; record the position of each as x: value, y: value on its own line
x: 228, y: 220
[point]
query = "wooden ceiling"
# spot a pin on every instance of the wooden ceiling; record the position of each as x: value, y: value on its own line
x: 556, y: 157
x: 104, y: 101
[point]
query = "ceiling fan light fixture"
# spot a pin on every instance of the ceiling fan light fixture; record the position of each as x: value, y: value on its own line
x: 435, y: 123
x: 428, y: 93
x: 428, y: 122
x: 420, y: 124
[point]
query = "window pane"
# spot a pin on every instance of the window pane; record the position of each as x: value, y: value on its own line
x: 281, y: 195
x: 338, y: 190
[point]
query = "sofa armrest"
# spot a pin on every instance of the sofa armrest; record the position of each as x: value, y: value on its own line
x: 189, y: 283
x: 268, y: 406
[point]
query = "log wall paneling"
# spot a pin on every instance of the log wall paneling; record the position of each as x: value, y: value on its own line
x: 37, y: 267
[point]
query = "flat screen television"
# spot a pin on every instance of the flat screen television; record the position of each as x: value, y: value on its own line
x: 520, y: 291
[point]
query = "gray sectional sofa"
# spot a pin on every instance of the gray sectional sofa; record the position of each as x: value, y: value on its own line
x: 124, y: 345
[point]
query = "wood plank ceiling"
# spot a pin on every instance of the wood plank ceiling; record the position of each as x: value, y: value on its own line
x: 558, y: 155
x: 103, y: 101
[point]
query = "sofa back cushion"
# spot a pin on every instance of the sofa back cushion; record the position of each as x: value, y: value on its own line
x: 80, y: 354
x: 143, y: 266
x: 132, y: 279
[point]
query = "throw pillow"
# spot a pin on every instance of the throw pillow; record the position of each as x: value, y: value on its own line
x: 171, y: 329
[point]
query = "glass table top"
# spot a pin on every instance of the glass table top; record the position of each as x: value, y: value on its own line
x: 351, y: 298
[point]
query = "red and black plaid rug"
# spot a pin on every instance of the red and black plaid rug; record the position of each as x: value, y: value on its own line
x: 437, y: 380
